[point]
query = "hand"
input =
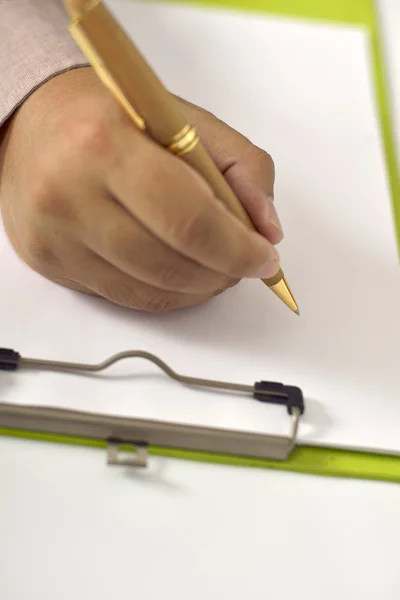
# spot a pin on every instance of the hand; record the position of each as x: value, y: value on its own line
x: 93, y: 204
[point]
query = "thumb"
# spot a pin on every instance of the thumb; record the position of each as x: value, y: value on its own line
x: 249, y: 170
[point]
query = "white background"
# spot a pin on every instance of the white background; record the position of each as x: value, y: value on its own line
x: 194, y: 531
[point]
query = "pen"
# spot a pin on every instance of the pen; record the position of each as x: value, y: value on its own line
x: 126, y: 74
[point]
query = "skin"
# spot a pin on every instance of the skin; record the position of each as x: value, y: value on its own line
x: 91, y: 203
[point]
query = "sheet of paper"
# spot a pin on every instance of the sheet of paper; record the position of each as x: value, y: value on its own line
x: 304, y: 92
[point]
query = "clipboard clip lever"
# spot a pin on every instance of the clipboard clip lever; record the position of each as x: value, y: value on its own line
x: 277, y: 393
x: 138, y: 434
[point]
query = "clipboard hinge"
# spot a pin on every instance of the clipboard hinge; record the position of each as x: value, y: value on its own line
x: 9, y: 360
x: 139, y: 457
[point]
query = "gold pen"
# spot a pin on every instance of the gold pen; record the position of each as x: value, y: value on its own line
x: 140, y: 93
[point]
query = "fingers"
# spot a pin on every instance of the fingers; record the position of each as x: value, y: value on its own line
x: 177, y: 207
x: 247, y: 182
x: 68, y: 262
x: 248, y: 169
x: 123, y: 242
x: 98, y: 277
x: 98, y: 207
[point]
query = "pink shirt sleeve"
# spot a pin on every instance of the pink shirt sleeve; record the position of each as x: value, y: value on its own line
x: 35, y: 45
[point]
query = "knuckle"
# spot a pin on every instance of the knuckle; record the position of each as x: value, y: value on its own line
x: 262, y: 158
x: 39, y: 253
x: 192, y: 233
x: 46, y: 199
x: 120, y: 292
x: 138, y: 296
x: 160, y: 302
x: 141, y: 297
x: 171, y: 277
x: 92, y: 136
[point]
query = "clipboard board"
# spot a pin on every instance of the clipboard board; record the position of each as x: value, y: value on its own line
x: 304, y: 459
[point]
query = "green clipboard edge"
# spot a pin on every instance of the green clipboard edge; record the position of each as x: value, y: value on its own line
x: 306, y: 459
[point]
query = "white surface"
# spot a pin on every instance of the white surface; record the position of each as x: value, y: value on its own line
x: 71, y: 528
x: 317, y: 119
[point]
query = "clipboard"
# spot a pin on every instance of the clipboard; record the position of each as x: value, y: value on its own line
x: 304, y: 459
x: 140, y: 434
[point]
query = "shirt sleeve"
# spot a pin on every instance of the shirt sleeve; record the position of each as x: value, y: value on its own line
x: 35, y: 45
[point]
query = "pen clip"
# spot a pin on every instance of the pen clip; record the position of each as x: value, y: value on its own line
x: 98, y: 65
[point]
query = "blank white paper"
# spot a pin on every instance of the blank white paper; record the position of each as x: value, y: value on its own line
x: 304, y: 92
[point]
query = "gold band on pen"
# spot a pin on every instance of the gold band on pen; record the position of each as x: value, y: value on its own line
x: 184, y: 141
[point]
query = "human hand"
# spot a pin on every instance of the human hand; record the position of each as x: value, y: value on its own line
x: 91, y: 203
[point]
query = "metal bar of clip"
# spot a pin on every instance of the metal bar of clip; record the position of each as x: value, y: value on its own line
x: 142, y: 433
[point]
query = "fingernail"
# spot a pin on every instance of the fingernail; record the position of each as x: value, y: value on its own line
x: 272, y: 215
x: 269, y: 269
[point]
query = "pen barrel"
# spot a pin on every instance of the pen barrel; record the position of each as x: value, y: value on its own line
x: 129, y: 76
x: 143, y: 90
x: 132, y: 75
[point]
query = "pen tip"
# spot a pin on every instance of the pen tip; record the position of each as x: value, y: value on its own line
x: 297, y: 312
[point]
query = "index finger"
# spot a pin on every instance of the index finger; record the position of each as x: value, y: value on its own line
x: 173, y: 202
x: 249, y: 170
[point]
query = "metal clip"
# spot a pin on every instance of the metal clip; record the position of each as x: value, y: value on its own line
x: 139, y: 458
x: 119, y: 430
